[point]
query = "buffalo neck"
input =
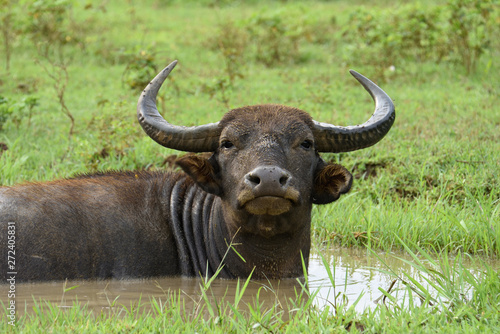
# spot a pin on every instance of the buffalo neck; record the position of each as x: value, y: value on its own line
x: 269, y: 255
x: 209, y: 237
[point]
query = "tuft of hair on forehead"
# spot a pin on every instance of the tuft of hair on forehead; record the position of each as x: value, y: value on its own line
x: 267, y: 114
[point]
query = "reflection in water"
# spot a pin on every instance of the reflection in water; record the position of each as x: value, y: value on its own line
x: 357, y: 275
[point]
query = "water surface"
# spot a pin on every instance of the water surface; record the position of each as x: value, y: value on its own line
x: 358, y: 277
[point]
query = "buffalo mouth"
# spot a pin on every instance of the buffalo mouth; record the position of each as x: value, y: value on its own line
x: 269, y: 204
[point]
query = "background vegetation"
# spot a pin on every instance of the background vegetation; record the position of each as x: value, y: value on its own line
x: 71, y: 73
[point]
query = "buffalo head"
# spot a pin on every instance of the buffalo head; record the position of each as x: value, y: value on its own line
x: 265, y: 164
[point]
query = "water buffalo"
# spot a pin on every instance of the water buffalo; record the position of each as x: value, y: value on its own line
x: 247, y: 207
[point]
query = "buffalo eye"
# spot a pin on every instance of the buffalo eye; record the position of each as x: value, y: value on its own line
x: 306, y: 144
x: 226, y: 144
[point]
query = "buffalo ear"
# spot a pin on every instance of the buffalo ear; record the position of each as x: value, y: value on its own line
x: 203, y: 171
x: 330, y: 181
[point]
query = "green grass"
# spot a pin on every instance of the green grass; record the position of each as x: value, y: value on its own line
x: 430, y: 187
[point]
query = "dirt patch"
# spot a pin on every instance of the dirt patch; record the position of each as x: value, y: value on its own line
x: 367, y: 170
x: 3, y: 147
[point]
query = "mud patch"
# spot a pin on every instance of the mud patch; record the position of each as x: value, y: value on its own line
x: 3, y: 147
x: 368, y: 170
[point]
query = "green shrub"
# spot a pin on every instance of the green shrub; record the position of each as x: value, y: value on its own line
x: 232, y: 42
x: 383, y: 39
x: 141, y: 67
x: 50, y: 25
x: 459, y: 31
x: 6, y: 26
x: 278, y: 34
x: 115, y: 130
x: 471, y: 29
x: 4, y: 111
x: 17, y: 111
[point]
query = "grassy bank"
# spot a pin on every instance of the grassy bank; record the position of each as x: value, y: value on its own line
x: 431, y: 184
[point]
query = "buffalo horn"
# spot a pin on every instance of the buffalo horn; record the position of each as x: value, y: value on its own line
x: 203, y: 138
x: 335, y: 139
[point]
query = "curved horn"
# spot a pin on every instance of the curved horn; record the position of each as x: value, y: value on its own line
x: 202, y: 138
x: 335, y: 139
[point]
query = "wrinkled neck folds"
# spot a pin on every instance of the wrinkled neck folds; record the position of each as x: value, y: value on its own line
x: 211, y: 237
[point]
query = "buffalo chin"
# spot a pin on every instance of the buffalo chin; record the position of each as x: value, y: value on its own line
x: 268, y: 205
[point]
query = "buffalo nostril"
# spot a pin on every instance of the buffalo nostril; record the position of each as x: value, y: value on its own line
x: 284, y: 180
x: 253, y: 179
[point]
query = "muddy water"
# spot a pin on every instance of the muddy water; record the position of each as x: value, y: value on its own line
x: 357, y: 277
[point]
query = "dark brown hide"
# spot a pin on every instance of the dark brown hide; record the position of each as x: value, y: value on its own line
x: 99, y: 226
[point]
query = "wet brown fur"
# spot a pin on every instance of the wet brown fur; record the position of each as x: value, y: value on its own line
x: 330, y: 182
